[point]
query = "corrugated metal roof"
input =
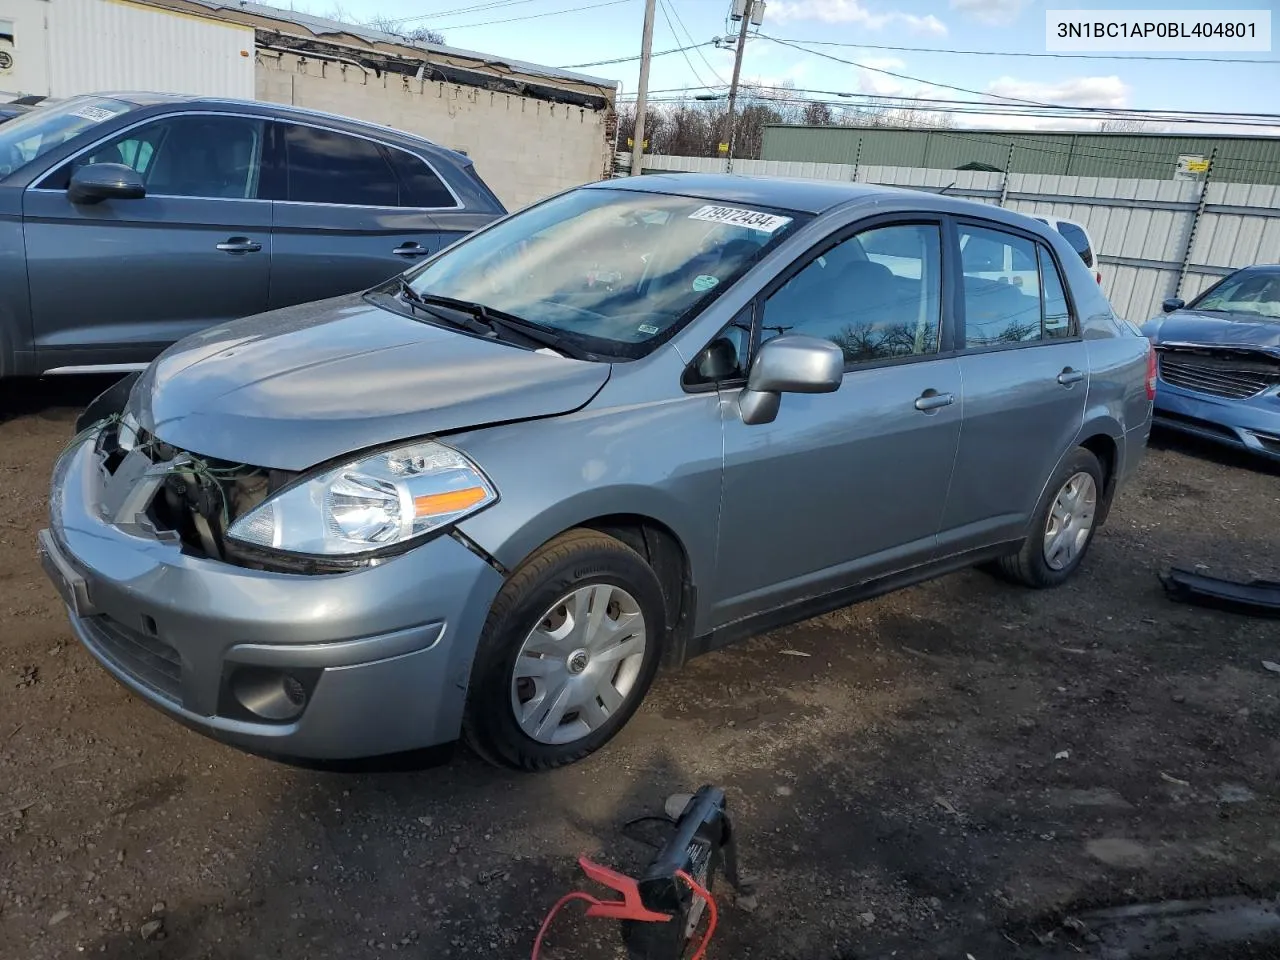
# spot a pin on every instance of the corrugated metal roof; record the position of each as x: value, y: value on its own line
x: 325, y: 27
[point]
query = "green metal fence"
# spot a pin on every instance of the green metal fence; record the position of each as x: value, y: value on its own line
x: 1123, y: 155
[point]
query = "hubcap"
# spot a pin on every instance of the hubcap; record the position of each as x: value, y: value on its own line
x: 1070, y: 521
x: 579, y: 665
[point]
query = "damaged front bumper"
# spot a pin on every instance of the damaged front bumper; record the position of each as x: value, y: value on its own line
x: 370, y: 661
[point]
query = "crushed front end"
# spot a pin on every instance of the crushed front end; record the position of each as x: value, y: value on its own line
x: 326, y: 662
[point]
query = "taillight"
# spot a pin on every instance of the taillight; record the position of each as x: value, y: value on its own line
x: 1151, y: 373
x: 1098, y: 277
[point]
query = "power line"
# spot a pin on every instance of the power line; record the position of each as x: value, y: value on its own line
x: 1063, y: 56
x: 1017, y: 109
x: 689, y: 36
x: 530, y: 16
x: 675, y: 36
x: 656, y: 53
x: 457, y: 10
x: 1108, y: 111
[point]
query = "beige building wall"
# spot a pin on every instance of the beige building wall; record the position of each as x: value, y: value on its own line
x: 525, y: 149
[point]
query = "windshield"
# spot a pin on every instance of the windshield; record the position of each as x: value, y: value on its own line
x: 620, y: 270
x: 1256, y: 293
x: 34, y: 134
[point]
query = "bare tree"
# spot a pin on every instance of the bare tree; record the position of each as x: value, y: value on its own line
x: 1122, y: 125
x: 388, y: 25
x: 817, y: 114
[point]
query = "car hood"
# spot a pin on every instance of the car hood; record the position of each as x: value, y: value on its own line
x: 1217, y: 330
x: 299, y: 386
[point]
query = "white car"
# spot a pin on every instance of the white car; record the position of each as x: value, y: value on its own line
x: 1077, y: 235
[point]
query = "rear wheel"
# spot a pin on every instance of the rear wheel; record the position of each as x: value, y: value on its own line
x: 569, y: 650
x: 1064, y: 525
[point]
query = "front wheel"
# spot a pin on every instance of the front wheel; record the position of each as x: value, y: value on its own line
x: 568, y: 651
x: 1063, y: 527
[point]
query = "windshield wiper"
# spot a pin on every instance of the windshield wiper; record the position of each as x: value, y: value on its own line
x: 488, y: 320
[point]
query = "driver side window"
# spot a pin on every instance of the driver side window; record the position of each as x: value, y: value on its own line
x: 195, y: 155
x: 876, y: 295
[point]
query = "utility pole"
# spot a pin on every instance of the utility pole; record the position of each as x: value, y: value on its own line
x: 642, y: 92
x: 737, y: 72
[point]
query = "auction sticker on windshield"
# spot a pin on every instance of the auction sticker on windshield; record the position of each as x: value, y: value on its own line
x: 96, y: 114
x: 751, y: 219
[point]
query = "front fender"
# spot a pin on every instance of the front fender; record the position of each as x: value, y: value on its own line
x: 660, y: 461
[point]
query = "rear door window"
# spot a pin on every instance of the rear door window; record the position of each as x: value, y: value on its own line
x: 1027, y: 305
x: 1079, y: 241
x: 324, y: 166
x: 1001, y: 288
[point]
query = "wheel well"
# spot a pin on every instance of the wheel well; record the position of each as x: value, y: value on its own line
x: 659, y: 545
x: 1104, y: 448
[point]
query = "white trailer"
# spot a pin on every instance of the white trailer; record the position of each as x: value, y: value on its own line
x: 60, y: 48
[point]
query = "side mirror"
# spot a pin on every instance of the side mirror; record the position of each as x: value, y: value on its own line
x: 718, y: 361
x: 1172, y: 304
x: 789, y: 364
x: 96, y: 182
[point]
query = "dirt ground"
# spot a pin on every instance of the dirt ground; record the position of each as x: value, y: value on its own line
x: 962, y: 768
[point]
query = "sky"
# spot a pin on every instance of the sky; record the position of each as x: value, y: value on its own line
x: 554, y: 33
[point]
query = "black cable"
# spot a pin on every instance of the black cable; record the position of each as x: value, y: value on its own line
x: 1010, y: 53
x: 676, y: 37
x: 457, y: 10
x: 933, y: 83
x: 689, y: 36
x: 658, y: 53
x: 1015, y: 109
x: 531, y: 16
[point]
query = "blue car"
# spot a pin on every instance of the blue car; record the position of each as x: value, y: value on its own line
x: 1219, y: 362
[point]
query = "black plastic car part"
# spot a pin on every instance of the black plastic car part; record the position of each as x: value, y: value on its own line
x: 1254, y: 598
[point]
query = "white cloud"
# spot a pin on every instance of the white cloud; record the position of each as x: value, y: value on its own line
x: 1105, y: 92
x: 792, y: 76
x: 994, y: 12
x: 869, y: 81
x: 1110, y: 92
x: 852, y: 11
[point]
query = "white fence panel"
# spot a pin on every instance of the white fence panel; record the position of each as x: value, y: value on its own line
x: 1141, y: 228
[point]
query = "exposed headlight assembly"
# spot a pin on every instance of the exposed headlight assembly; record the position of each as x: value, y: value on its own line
x: 368, y: 505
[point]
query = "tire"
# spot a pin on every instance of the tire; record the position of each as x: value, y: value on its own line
x: 1034, y: 566
x: 596, y: 680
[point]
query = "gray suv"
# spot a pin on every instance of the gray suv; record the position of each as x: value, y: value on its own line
x: 626, y: 426
x: 128, y: 221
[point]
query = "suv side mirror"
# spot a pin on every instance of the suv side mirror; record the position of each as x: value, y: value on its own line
x: 95, y: 182
x: 789, y: 364
x: 1172, y: 304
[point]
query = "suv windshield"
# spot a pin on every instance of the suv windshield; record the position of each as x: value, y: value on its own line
x: 36, y: 133
x: 621, y: 270
x: 1247, y: 293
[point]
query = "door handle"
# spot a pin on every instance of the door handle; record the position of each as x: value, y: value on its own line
x: 932, y: 400
x: 239, y: 245
x: 1068, y: 376
x: 411, y: 250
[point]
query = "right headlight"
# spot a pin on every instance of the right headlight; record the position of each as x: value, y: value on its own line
x: 380, y: 501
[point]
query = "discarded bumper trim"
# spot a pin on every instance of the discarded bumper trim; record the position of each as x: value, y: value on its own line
x: 1255, y: 598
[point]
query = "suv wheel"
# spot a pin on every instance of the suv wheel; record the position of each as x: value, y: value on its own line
x: 1063, y: 527
x: 567, y: 653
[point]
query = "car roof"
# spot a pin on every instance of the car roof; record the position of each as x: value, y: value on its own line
x: 284, y: 112
x: 808, y: 196
x: 802, y: 196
